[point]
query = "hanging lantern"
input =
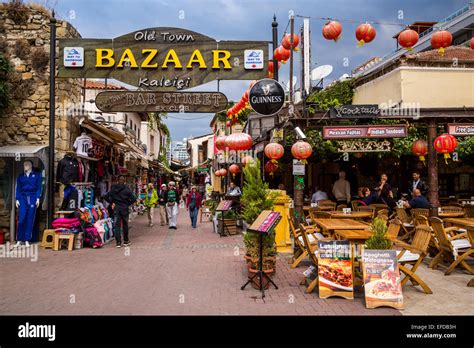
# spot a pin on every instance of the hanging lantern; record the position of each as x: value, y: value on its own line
x: 274, y: 151
x: 445, y: 144
x: 301, y: 150
x: 228, y: 123
x: 281, y: 54
x: 238, y: 141
x: 245, y: 96
x: 420, y: 149
x: 223, y: 172
x: 440, y: 40
x: 332, y: 30
x: 234, y: 169
x: 220, y: 143
x: 271, y: 167
x: 408, y: 38
x: 271, y: 67
x: 286, y: 42
x: 472, y: 43
x: 365, y: 33
x: 217, y: 172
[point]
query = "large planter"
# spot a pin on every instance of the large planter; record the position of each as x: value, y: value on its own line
x: 231, y: 225
x: 256, y: 281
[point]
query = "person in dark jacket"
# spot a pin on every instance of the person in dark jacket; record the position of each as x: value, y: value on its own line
x: 193, y: 204
x: 386, y: 194
x: 418, y: 201
x: 162, y: 199
x: 121, y: 198
x: 419, y: 184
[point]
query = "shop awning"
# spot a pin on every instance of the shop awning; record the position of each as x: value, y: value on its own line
x: 196, y: 168
x: 104, y: 132
x: 166, y: 169
x: 23, y: 150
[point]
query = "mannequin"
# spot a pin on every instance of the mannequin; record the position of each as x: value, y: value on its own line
x: 82, y: 144
x: 28, y: 193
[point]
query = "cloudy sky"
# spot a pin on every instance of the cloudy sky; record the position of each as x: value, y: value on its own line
x: 251, y: 20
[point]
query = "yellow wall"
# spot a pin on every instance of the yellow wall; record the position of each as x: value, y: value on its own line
x: 431, y: 87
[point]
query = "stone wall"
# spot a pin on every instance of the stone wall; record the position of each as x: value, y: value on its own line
x: 26, y: 44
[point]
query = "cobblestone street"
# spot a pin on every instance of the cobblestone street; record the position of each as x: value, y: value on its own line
x: 188, y: 271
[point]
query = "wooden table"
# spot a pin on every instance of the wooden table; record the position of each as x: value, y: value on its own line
x: 466, y: 222
x: 331, y: 225
x: 306, y: 208
x: 452, y: 214
x: 353, y: 235
x: 351, y: 215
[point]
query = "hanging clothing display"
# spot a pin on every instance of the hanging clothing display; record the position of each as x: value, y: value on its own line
x: 28, y: 191
x: 68, y: 170
x: 71, y: 198
x: 82, y: 144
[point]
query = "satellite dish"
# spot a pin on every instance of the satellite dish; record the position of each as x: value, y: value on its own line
x: 321, y: 72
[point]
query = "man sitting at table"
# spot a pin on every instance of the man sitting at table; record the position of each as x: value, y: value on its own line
x: 418, y: 201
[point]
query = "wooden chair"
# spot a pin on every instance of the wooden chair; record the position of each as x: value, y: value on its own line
x: 379, y: 207
x: 413, y: 254
x: 331, y: 206
x: 300, y: 252
x: 454, y: 248
x: 407, y: 224
x: 367, y: 209
x: 420, y: 220
x: 44, y: 242
x: 312, y: 252
x: 394, y: 228
x: 317, y: 214
x: 325, y: 201
x: 59, y: 237
x: 415, y: 212
x: 469, y: 210
x: 383, y: 214
x: 355, y: 204
x: 341, y: 206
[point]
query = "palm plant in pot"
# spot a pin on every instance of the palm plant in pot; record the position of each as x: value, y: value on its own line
x: 256, y: 197
x: 378, y: 240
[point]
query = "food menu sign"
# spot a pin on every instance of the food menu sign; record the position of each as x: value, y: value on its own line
x: 163, y: 58
x: 367, y: 132
x: 461, y: 129
x: 335, y: 269
x: 382, y: 279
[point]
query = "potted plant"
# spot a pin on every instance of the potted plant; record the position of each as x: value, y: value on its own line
x: 256, y: 197
x: 378, y: 240
x: 229, y: 220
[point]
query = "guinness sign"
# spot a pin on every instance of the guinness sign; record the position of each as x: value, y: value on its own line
x: 267, y: 97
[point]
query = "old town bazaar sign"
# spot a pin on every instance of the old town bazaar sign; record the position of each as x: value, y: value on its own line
x: 170, y: 59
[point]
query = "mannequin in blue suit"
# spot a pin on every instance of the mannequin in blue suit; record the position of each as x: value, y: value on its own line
x: 28, y: 193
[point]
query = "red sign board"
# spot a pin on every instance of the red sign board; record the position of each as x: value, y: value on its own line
x: 372, y: 131
x: 461, y: 129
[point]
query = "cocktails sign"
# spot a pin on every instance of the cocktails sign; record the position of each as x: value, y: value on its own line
x: 163, y: 58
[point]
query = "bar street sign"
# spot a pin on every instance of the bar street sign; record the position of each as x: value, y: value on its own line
x: 461, y: 129
x: 164, y: 59
x: 150, y: 101
x: 355, y: 111
x: 366, y: 132
x: 298, y: 167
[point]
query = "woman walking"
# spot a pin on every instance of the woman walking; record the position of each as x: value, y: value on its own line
x: 151, y: 198
x: 193, y: 204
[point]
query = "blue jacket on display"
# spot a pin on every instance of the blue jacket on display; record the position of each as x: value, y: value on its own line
x: 29, y: 185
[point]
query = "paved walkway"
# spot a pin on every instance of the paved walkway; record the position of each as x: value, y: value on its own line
x: 186, y: 271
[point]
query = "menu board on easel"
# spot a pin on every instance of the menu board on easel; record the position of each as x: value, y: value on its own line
x: 382, y: 279
x: 224, y: 205
x: 335, y: 269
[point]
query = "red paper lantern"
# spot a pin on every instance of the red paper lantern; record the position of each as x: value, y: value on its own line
x: 271, y: 67
x: 286, y: 42
x: 274, y: 151
x: 245, y: 96
x: 440, y: 40
x: 271, y: 167
x: 281, y: 54
x: 234, y: 169
x: 408, y: 38
x: 332, y: 30
x: 238, y: 141
x: 365, y: 33
x: 420, y: 149
x: 445, y: 144
x: 217, y: 172
x: 220, y: 143
x: 301, y: 150
x: 472, y: 43
x: 223, y: 172
x: 228, y: 123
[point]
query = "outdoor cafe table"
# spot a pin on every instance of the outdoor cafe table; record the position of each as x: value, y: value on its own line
x: 351, y: 215
x: 331, y: 225
x: 323, y: 207
x: 452, y: 214
x: 464, y: 222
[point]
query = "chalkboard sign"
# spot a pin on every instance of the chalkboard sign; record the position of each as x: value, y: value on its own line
x: 335, y: 269
x: 382, y: 279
